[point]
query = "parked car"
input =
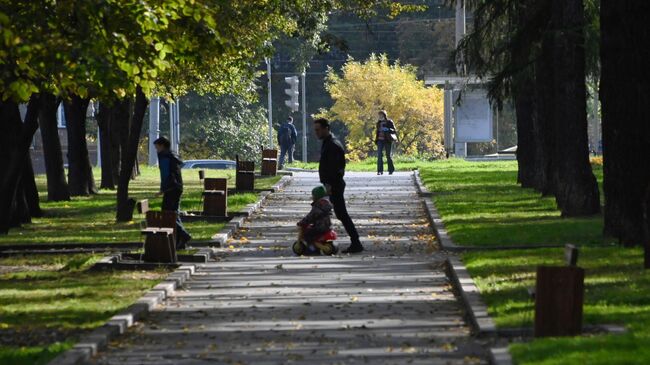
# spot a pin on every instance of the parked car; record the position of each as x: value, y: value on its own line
x: 209, y: 164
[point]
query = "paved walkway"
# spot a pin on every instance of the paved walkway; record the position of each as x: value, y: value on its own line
x: 259, y: 304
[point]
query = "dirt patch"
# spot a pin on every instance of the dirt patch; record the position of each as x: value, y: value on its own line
x: 7, y: 269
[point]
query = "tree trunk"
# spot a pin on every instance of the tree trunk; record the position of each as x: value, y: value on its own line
x: 624, y: 95
x: 57, y: 187
x: 31, y: 191
x: 15, y: 159
x: 527, y: 160
x: 125, y: 205
x: 543, y: 127
x: 574, y: 184
x: 119, y: 133
x: 20, y: 209
x: 80, y: 171
x: 104, y: 125
x: 529, y: 93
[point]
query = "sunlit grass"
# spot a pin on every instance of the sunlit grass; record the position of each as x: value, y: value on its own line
x: 92, y: 219
x: 483, y: 205
x: 402, y: 163
x: 58, y: 293
x: 616, y: 293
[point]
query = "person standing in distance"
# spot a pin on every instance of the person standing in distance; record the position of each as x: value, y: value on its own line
x: 287, y: 136
x: 331, y: 169
x: 171, y: 186
x: 384, y: 138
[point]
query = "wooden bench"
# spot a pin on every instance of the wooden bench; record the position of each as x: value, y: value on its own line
x: 269, y: 162
x: 160, y: 237
x: 215, y: 197
x: 559, y: 296
x: 245, y: 175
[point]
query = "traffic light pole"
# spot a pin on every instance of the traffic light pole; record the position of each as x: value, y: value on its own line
x: 268, y: 74
x: 304, y: 118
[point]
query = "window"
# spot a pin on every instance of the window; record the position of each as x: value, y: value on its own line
x: 60, y: 117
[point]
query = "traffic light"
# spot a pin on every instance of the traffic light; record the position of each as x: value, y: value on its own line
x: 293, y: 93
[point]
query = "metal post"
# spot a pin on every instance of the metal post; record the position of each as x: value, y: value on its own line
x: 304, y: 117
x: 171, y: 123
x: 178, y: 125
x: 497, y: 109
x: 460, y: 149
x: 154, y: 129
x: 99, y: 148
x: 460, y: 20
x: 447, y: 118
x: 270, y: 96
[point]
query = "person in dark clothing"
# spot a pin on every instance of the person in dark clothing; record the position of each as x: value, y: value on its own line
x: 317, y: 222
x: 331, y: 170
x: 384, y: 137
x: 287, y: 136
x: 171, y: 186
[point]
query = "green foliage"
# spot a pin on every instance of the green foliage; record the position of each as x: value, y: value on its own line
x: 220, y: 127
x: 108, y: 48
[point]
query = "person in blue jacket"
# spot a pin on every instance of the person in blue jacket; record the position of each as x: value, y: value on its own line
x: 171, y: 186
x: 287, y: 136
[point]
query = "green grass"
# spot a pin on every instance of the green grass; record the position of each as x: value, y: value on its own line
x: 482, y: 205
x: 92, y: 219
x: 402, y: 163
x: 57, y: 294
x: 616, y: 293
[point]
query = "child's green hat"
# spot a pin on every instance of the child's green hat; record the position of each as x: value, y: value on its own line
x: 319, y: 192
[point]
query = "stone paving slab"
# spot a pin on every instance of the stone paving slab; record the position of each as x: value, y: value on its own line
x: 260, y: 304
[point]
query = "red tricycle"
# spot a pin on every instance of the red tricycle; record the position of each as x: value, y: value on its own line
x: 324, y: 244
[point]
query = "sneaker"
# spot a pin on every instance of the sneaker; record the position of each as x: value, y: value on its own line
x: 353, y: 249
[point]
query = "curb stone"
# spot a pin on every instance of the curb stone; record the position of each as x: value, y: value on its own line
x: 97, y: 339
x: 470, y: 297
x: 500, y: 356
x: 445, y: 241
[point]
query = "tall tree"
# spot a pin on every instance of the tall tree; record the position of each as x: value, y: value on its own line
x: 57, y: 186
x: 624, y: 94
x: 512, y: 41
x: 104, y: 126
x: 80, y: 173
x: 573, y: 183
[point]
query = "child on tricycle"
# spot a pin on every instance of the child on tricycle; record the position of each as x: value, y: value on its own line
x: 315, y: 234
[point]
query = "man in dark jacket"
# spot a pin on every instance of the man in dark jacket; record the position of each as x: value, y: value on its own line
x: 171, y: 185
x: 331, y: 170
x: 287, y: 136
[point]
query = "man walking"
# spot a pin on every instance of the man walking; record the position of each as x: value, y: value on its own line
x: 331, y: 170
x: 287, y: 136
x: 171, y: 186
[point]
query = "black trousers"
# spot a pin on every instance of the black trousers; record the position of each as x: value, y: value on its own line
x: 172, y: 201
x: 341, y: 212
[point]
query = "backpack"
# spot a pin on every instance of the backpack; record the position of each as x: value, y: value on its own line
x: 284, y: 135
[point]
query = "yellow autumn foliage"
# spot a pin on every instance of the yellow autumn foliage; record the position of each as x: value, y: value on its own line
x: 364, y: 88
